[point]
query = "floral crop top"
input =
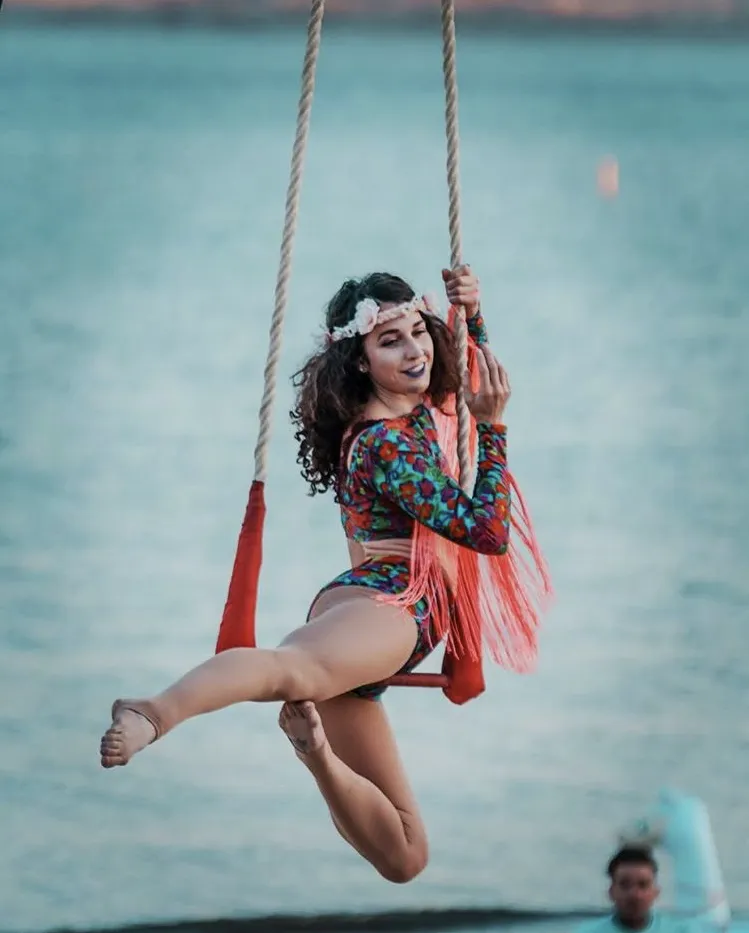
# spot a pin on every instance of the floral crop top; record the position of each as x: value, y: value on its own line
x: 397, y: 475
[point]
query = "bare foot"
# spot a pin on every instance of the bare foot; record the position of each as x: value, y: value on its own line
x: 129, y: 734
x: 303, y: 727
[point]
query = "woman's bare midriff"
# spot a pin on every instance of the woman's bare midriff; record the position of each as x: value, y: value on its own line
x: 361, y: 551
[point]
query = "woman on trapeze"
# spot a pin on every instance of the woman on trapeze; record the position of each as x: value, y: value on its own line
x: 367, y: 408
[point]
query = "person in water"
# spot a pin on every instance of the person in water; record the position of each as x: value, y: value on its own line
x: 633, y: 892
x: 368, y: 401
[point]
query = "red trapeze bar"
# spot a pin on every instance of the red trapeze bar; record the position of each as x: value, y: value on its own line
x: 417, y: 680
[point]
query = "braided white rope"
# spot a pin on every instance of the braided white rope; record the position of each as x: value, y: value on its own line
x: 450, y: 74
x: 314, y: 31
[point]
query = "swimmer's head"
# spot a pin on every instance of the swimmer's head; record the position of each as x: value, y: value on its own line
x: 633, y: 889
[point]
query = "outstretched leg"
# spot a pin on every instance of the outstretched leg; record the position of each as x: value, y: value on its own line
x: 352, y: 640
x: 350, y: 750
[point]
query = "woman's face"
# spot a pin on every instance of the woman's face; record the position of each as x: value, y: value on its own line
x: 398, y: 355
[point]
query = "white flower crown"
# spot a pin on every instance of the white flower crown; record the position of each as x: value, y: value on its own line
x: 369, y: 314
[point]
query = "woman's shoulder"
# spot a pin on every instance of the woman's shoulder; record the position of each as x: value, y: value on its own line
x: 385, y: 436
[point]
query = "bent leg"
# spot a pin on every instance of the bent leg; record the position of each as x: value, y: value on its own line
x: 351, y: 752
x: 352, y: 640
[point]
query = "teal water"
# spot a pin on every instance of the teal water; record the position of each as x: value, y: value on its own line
x: 143, y: 176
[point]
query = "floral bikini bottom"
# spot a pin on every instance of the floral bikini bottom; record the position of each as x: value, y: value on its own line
x: 391, y: 577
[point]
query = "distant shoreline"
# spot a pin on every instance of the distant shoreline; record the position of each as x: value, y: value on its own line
x: 402, y: 921
x: 497, y: 22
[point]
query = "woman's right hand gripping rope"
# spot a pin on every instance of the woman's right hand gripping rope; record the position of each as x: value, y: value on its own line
x: 487, y: 404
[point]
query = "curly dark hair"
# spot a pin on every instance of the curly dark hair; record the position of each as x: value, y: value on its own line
x: 332, y: 390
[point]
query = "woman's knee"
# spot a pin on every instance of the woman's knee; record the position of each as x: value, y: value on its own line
x: 408, y: 866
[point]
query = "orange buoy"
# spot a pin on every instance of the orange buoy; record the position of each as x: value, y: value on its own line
x: 608, y: 177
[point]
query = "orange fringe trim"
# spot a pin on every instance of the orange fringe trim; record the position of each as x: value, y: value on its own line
x: 479, y: 600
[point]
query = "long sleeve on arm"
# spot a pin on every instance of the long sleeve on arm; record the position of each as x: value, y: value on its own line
x: 403, y: 468
x: 477, y: 329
